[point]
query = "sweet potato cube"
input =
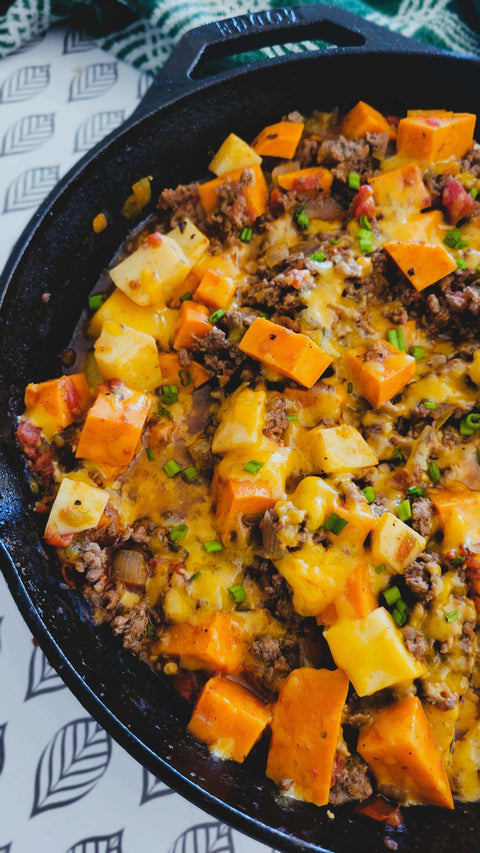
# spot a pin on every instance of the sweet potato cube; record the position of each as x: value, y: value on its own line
x: 191, y: 240
x: 306, y: 725
x: 459, y: 513
x: 215, y: 290
x: 279, y: 140
x: 355, y: 601
x: 192, y: 323
x: 233, y: 154
x: 255, y: 192
x: 422, y: 264
x: 127, y: 354
x: 229, y: 718
x: 56, y: 403
x: 216, y: 644
x: 313, y: 179
x: 435, y: 135
x: 170, y: 367
x: 363, y: 119
x: 242, y: 418
x: 113, y: 425
x: 395, y: 543
x: 401, y: 188
x: 153, y: 271
x: 339, y: 449
x: 76, y: 507
x: 290, y: 353
x: 380, y: 660
x: 379, y: 379
x: 400, y: 749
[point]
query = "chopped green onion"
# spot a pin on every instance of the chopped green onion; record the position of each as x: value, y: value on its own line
x: 211, y: 546
x: 364, y: 238
x: 246, y: 235
x: 458, y: 561
x: 253, y: 466
x: 171, y: 468
x: 369, y: 494
x: 263, y: 314
x: 301, y: 218
x: 95, y: 301
x: 353, y: 180
x: 401, y: 606
x: 453, y: 239
x: 397, y: 458
x: 473, y: 420
x: 433, y: 471
x: 178, y: 532
x: 474, y: 192
x: 450, y: 617
x: 350, y: 387
x: 365, y: 222
x: 336, y: 241
x: 292, y: 417
x: 399, y: 617
x: 150, y: 454
x: 185, y: 377
x: 169, y: 394
x: 237, y: 593
x: 190, y: 473
x: 417, y: 352
x: 415, y: 491
x: 404, y: 510
x: 318, y: 256
x: 164, y: 412
x: 185, y: 296
x: 392, y: 595
x: 216, y: 315
x: 380, y: 569
x: 430, y: 405
x: 335, y: 523
x: 461, y: 264
x: 149, y: 630
x: 195, y: 576
x: 396, y: 339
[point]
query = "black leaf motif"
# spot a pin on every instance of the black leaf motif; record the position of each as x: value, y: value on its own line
x: 6, y: 848
x: 42, y: 677
x: 96, y: 127
x: 205, y: 838
x: 77, y: 41
x: 144, y: 82
x: 71, y: 765
x: 25, y: 83
x: 93, y: 81
x: 28, y: 133
x: 99, y: 844
x: 153, y: 787
x: 2, y: 746
x: 30, y: 188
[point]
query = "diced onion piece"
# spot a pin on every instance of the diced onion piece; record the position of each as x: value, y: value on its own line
x: 130, y: 567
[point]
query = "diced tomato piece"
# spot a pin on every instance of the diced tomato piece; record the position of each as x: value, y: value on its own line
x: 364, y: 203
x: 457, y: 202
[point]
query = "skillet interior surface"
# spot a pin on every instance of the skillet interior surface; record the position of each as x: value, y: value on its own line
x: 62, y: 256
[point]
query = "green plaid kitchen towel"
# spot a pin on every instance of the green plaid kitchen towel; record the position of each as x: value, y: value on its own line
x: 143, y: 32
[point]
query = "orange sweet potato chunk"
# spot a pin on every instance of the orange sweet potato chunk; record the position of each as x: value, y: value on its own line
x: 356, y: 601
x: 363, y: 119
x: 380, y: 379
x: 313, y: 179
x: 215, y: 289
x: 279, y: 140
x: 422, y: 264
x: 229, y: 718
x: 113, y: 425
x: 235, y: 498
x: 290, y: 353
x: 61, y: 401
x: 305, y: 729
x: 192, y: 323
x: 170, y: 367
x: 255, y: 192
x: 401, y: 751
x: 435, y: 135
x: 216, y: 644
x: 401, y: 188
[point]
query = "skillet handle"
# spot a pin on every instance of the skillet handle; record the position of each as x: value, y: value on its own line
x: 254, y: 30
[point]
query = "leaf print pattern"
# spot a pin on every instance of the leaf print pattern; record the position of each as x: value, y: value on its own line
x: 92, y: 81
x: 94, y: 128
x: 71, y: 765
x: 2, y: 746
x: 25, y: 83
x: 42, y: 678
x: 30, y: 188
x: 27, y: 134
x: 77, y: 41
x: 99, y: 844
x: 205, y: 838
x: 153, y: 787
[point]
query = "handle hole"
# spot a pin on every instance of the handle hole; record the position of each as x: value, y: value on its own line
x: 222, y: 55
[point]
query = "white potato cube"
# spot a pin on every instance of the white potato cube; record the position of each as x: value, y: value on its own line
x: 151, y: 273
x: 317, y: 576
x: 339, y: 449
x: 395, y: 543
x: 159, y: 322
x: 315, y: 497
x: 191, y: 240
x: 241, y: 421
x: 127, y: 354
x: 234, y: 153
x: 371, y: 652
x: 76, y: 507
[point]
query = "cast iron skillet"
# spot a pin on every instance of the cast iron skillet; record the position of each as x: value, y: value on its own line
x: 183, y: 117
